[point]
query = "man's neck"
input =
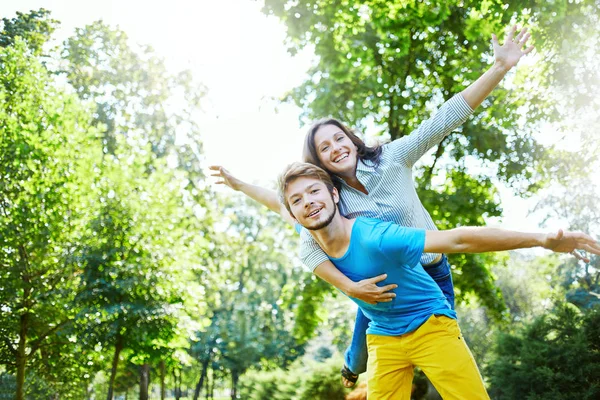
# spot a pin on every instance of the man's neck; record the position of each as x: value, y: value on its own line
x: 334, y: 239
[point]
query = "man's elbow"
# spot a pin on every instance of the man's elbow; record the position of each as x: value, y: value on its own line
x: 463, y: 240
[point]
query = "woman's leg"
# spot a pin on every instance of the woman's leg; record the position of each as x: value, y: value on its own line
x: 442, y: 275
x: 356, y: 354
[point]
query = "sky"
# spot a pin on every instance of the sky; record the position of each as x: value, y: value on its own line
x: 238, y: 53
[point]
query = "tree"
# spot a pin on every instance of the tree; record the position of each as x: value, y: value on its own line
x: 252, y: 290
x: 555, y: 357
x: 45, y: 156
x: 34, y: 28
x: 133, y: 278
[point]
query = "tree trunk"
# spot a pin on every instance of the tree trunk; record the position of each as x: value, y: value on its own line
x: 208, y: 388
x: 144, y: 381
x: 115, y: 363
x: 234, y: 382
x: 202, y: 377
x: 21, y: 359
x: 212, y: 385
x: 162, y: 381
x: 176, y: 388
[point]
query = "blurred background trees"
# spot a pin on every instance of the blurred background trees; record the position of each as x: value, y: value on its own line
x: 123, y: 272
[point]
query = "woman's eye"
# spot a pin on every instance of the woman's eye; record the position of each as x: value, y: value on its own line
x: 295, y: 201
x: 314, y: 191
x: 324, y: 148
x: 340, y: 138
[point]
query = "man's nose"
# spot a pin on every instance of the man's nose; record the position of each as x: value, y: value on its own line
x: 307, y: 201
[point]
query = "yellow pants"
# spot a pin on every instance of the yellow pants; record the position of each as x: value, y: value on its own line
x: 438, y: 348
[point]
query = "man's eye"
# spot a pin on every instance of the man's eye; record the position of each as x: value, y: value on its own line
x: 295, y: 201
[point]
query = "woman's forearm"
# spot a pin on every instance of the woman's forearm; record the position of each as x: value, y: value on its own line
x: 482, y: 87
x: 264, y: 196
x: 267, y: 198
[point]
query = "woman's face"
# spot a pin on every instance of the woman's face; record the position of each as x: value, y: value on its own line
x: 336, y: 151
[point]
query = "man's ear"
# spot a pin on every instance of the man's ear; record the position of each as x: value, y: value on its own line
x: 336, y: 196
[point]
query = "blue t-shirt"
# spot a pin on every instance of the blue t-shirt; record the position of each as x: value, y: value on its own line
x: 378, y: 247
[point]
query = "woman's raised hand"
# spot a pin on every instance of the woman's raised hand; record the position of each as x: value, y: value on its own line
x: 509, y: 53
x: 225, y: 177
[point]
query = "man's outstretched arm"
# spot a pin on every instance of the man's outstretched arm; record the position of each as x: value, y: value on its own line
x: 483, y: 239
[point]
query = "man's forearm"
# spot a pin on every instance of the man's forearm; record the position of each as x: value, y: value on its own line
x: 330, y: 274
x: 482, y: 87
x: 482, y: 239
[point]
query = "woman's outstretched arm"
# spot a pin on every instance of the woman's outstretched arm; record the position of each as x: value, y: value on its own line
x: 506, y: 56
x: 264, y: 196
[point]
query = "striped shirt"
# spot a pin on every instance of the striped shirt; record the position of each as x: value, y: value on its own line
x: 392, y: 195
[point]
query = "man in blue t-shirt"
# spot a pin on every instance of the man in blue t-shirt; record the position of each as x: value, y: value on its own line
x: 417, y: 328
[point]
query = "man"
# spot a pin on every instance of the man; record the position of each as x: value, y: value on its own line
x: 417, y: 328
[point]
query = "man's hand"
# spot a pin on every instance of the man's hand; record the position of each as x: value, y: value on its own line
x: 570, y: 242
x: 509, y: 54
x: 367, y: 290
x: 227, y: 178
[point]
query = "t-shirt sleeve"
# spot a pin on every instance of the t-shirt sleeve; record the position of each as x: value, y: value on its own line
x: 407, y: 150
x: 402, y: 244
x: 311, y: 253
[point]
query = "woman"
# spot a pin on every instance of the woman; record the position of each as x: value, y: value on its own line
x: 377, y: 182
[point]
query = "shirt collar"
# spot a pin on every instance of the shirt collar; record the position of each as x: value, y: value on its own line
x: 364, y: 167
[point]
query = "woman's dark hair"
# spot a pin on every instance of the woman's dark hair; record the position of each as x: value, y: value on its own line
x: 365, y: 153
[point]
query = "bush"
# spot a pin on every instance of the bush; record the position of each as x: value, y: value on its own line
x: 323, y: 383
x: 302, y: 381
x: 555, y: 357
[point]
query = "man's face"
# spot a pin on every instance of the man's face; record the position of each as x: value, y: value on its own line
x: 311, y: 203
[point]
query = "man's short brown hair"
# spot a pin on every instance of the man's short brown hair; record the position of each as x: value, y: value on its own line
x: 301, y: 170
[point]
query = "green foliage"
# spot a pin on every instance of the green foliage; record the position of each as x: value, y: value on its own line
x: 302, y: 381
x: 35, y: 28
x: 323, y: 382
x: 554, y: 357
x: 44, y: 156
x: 252, y: 291
x: 277, y: 385
x: 323, y: 353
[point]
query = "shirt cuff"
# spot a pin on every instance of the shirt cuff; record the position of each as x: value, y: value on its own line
x: 463, y: 109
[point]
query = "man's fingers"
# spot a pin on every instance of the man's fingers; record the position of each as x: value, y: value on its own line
x: 387, y: 288
x: 524, y: 40
x: 376, y: 279
x: 559, y: 234
x: 591, y: 248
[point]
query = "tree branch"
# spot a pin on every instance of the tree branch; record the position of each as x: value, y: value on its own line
x: 438, y: 154
x: 36, y: 344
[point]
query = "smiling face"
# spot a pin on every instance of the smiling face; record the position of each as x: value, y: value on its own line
x: 335, y: 150
x: 311, y: 203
